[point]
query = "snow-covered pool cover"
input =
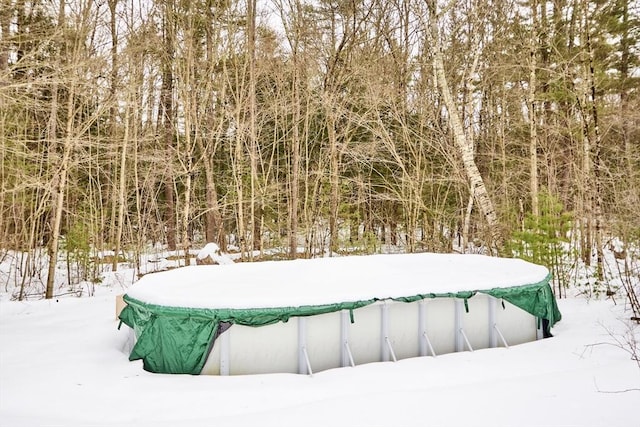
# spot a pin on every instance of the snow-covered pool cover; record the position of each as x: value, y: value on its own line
x: 178, y: 314
x: 329, y: 280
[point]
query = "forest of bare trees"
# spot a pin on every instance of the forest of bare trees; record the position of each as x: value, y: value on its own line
x: 318, y: 126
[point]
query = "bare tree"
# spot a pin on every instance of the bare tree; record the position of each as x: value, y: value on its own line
x: 531, y: 106
x: 477, y: 185
x: 167, y: 100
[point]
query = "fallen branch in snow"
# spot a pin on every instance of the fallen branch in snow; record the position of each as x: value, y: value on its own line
x: 613, y: 391
x: 77, y: 293
x: 628, y: 341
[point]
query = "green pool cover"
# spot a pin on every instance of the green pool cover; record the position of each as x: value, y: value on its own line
x: 177, y: 340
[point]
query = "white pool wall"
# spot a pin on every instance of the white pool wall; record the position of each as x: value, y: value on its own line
x: 380, y: 332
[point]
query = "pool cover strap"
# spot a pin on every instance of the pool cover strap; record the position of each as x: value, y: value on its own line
x: 177, y: 340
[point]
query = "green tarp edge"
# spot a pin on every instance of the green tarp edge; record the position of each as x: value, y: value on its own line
x: 536, y: 299
x: 177, y: 340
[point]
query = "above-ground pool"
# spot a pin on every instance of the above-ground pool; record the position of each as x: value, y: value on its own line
x: 309, y: 315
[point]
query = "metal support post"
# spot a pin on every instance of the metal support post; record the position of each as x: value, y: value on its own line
x: 384, y: 332
x: 459, y: 307
x: 225, y: 343
x: 466, y: 340
x: 304, y: 366
x: 493, y: 339
x: 422, y: 328
x: 347, y: 350
x: 393, y: 354
x: 428, y: 342
x: 504, y: 341
x: 346, y: 358
x: 307, y: 362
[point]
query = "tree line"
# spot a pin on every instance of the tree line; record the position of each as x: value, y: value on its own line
x: 321, y: 125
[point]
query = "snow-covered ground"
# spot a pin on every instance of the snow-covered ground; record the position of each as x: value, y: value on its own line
x: 63, y: 363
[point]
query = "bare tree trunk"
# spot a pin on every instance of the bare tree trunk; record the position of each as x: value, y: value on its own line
x: 113, y: 127
x: 118, y: 194
x: 627, y: 130
x: 333, y: 179
x: 464, y: 148
x: 59, y: 179
x: 186, y: 243
x: 214, y: 227
x: 587, y: 186
x: 121, y: 191
x: 237, y: 167
x: 5, y: 23
x: 3, y: 186
x: 595, y: 182
x: 167, y: 107
x: 294, y: 182
x: 59, y: 188
x: 467, y: 222
x: 255, y: 205
x: 469, y: 89
x: 140, y: 236
x: 187, y: 89
x: 533, y: 129
x: 214, y: 231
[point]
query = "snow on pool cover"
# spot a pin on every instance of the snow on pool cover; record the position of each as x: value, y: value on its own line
x: 328, y: 280
x: 262, y: 293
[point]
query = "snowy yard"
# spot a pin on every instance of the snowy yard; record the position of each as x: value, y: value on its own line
x: 63, y: 363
